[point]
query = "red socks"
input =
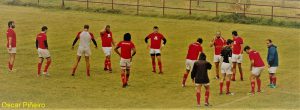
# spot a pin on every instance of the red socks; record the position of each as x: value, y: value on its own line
x: 198, y: 97
x: 10, y: 66
x: 47, y: 66
x: 271, y: 79
x: 160, y: 66
x: 88, y: 72
x: 252, y: 86
x: 233, y: 77
x: 184, y: 78
x: 127, y: 77
x: 274, y: 80
x: 227, y: 86
x: 105, y: 63
x: 206, y: 96
x: 258, y: 84
x: 221, y: 87
x: 123, y: 77
x: 153, y: 65
x: 109, y: 64
x: 39, y: 68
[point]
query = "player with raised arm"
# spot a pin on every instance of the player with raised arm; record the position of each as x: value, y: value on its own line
x: 127, y: 52
x: 272, y: 59
x: 256, y: 68
x: 200, y: 76
x: 11, y: 44
x: 218, y: 42
x: 193, y: 53
x: 107, y: 43
x: 226, y: 69
x: 85, y: 38
x: 43, y: 52
x: 155, y: 48
x: 237, y: 55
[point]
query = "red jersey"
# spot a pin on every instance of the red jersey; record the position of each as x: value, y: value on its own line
x: 106, y: 39
x: 156, y: 39
x: 219, y: 43
x: 11, y: 33
x: 126, y: 48
x: 41, y: 37
x: 194, y: 50
x: 237, y: 42
x: 258, y: 62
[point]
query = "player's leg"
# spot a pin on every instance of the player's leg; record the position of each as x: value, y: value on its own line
x: 207, y: 92
x: 40, y: 62
x: 198, y: 93
x: 272, y: 71
x: 127, y: 75
x: 158, y: 56
x: 252, y: 80
x: 258, y: 81
x: 241, y: 71
x: 273, y: 80
x: 222, y: 79
x: 188, y: 64
x: 233, y: 71
x: 123, y: 76
x: 76, y: 65
x: 13, y: 57
x: 228, y: 78
x: 153, y: 63
x: 87, y: 60
x: 47, y: 66
x: 108, y: 63
x: 217, y: 70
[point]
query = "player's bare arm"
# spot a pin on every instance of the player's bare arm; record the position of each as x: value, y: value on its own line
x: 9, y: 42
x: 252, y: 64
x: 117, y: 51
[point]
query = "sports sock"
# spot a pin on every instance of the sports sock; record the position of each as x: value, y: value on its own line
x: 274, y: 80
x: 198, y: 97
x: 9, y: 66
x: 227, y: 86
x: 160, y: 66
x: 39, y: 68
x: 153, y: 65
x: 109, y: 64
x: 47, y: 66
x: 123, y: 78
x: 105, y: 63
x: 271, y: 79
x: 206, y: 96
x: 252, y: 86
x: 184, y: 78
x: 233, y: 76
x: 127, y: 77
x: 221, y: 87
x: 258, y: 84
x: 88, y: 72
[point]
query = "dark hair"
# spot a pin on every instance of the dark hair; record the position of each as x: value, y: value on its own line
x: 229, y: 41
x: 155, y: 27
x: 107, y: 26
x: 200, y: 40
x: 202, y: 56
x: 234, y: 33
x: 86, y: 26
x: 269, y: 40
x: 127, y: 37
x: 246, y: 48
x: 10, y: 23
x: 44, y: 28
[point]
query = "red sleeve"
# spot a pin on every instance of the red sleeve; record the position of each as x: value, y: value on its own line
x: 119, y: 44
x: 149, y: 36
x: 251, y: 56
x: 132, y: 45
x: 241, y: 41
x: 92, y: 35
x: 78, y: 35
x: 201, y: 49
x: 162, y: 36
x: 9, y: 33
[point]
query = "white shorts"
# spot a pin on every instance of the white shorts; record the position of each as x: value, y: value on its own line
x: 125, y: 63
x: 217, y: 58
x: 272, y: 69
x: 107, y: 50
x: 84, y: 51
x: 238, y: 58
x: 43, y: 53
x: 189, y: 64
x: 13, y: 50
x: 206, y: 84
x: 226, y: 68
x: 154, y: 51
x: 257, y: 70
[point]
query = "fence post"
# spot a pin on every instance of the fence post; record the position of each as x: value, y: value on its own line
x: 216, y: 8
x: 63, y: 3
x: 272, y: 12
x: 164, y: 7
x: 87, y: 4
x: 137, y: 7
x: 112, y: 4
x: 38, y: 2
x: 198, y: 2
x: 244, y: 9
x: 190, y: 8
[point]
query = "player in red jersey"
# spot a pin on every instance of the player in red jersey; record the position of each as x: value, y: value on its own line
x: 155, y: 47
x: 194, y: 50
x: 107, y: 43
x: 127, y: 52
x: 218, y: 42
x: 237, y: 55
x: 42, y: 48
x: 256, y: 68
x: 85, y: 38
x: 11, y: 45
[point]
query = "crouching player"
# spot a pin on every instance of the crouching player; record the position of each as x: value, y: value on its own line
x: 126, y: 57
x: 257, y: 66
x: 226, y: 69
x: 200, y: 76
x: 42, y: 48
x: 193, y: 53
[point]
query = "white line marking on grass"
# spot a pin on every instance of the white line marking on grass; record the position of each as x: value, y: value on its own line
x: 234, y: 101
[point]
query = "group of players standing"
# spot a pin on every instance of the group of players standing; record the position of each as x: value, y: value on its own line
x: 228, y: 54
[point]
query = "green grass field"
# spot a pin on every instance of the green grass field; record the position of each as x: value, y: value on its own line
x: 146, y: 90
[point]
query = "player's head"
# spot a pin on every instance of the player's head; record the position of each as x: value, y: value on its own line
x: 234, y: 33
x: 269, y: 42
x: 155, y: 29
x: 127, y: 37
x: 107, y: 28
x: 11, y: 24
x: 247, y: 49
x: 202, y: 56
x: 229, y: 42
x: 44, y: 29
x: 86, y: 27
x: 218, y: 34
x: 200, y: 40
